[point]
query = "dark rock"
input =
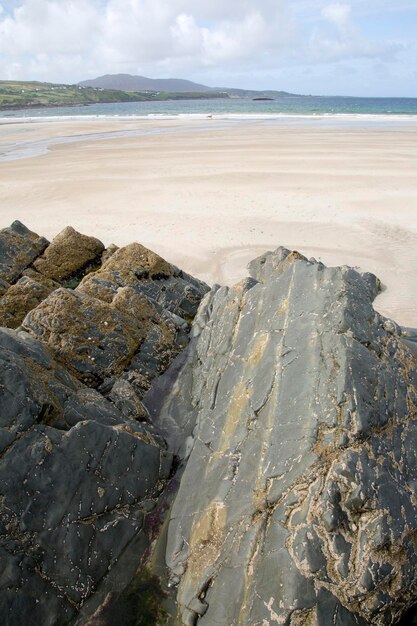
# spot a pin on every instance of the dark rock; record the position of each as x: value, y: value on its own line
x: 288, y: 422
x: 174, y: 418
x: 78, y: 480
x: 146, y: 272
x: 33, y: 387
x: 297, y: 502
x: 81, y: 470
x: 19, y: 247
x: 68, y: 254
x: 410, y: 618
x: 125, y: 398
x: 80, y: 505
x: 140, y: 603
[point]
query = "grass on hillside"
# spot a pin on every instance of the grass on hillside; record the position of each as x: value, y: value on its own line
x: 23, y: 94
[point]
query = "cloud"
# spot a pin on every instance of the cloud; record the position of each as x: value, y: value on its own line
x: 38, y: 27
x: 310, y: 9
x: 107, y: 35
x: 339, y: 39
x: 71, y: 40
x: 337, y: 13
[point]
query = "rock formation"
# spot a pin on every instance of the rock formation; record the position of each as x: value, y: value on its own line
x: 19, y: 247
x: 68, y: 255
x: 81, y: 469
x: 298, y: 501
x: 78, y: 480
x: 283, y: 432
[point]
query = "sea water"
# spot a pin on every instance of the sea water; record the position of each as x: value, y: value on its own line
x: 230, y: 107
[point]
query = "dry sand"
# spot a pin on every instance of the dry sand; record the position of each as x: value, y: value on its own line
x: 210, y: 195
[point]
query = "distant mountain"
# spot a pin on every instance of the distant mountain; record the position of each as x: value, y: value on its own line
x: 127, y: 82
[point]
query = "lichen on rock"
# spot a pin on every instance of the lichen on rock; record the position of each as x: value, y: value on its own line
x: 82, y: 468
x: 68, y: 254
x: 277, y: 433
x: 304, y: 404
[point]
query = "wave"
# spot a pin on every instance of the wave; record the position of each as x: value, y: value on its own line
x: 376, y: 117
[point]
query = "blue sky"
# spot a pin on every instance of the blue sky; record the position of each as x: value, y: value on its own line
x: 347, y: 47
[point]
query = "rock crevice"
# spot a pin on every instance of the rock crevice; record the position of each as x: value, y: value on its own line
x: 82, y: 468
x: 292, y: 465
x: 271, y: 424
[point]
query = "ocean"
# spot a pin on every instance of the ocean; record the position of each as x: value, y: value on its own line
x: 233, y: 107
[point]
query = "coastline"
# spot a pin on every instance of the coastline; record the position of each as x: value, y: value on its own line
x: 71, y: 129
x: 210, y: 194
x: 284, y: 117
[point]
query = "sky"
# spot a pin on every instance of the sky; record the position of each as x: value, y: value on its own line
x: 321, y: 47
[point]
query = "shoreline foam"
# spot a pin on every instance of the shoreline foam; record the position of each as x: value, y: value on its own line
x: 286, y: 117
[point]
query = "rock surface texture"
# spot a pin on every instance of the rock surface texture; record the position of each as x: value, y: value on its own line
x: 78, y: 481
x: 126, y: 320
x: 284, y: 433
x: 298, y: 503
x: 18, y: 248
x: 31, y: 267
x: 69, y: 253
x: 81, y: 467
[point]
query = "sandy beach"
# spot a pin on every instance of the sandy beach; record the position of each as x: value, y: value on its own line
x: 209, y: 195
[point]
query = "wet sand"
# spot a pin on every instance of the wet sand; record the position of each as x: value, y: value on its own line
x: 209, y: 195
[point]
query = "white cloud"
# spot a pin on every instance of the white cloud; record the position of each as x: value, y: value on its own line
x: 338, y: 38
x: 110, y: 34
x: 69, y: 40
x: 312, y: 8
x: 337, y: 13
x: 45, y: 26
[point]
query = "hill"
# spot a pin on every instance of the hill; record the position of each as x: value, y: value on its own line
x: 24, y: 94
x: 130, y: 83
x: 32, y: 94
x: 127, y: 82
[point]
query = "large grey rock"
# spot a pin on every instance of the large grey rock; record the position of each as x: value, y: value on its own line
x: 174, y: 417
x: 78, y: 482
x: 19, y: 247
x: 298, y: 501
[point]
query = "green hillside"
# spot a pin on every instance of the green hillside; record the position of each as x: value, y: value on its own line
x: 23, y: 95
